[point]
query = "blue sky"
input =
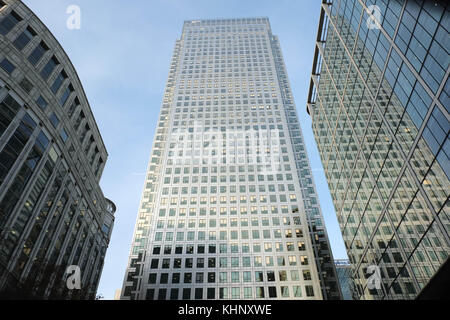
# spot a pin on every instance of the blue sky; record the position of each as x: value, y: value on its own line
x: 122, y: 54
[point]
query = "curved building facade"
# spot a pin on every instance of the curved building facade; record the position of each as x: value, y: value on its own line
x: 53, y: 213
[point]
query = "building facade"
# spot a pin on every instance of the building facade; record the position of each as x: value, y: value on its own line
x: 379, y: 102
x: 229, y: 209
x: 344, y: 273
x: 53, y: 213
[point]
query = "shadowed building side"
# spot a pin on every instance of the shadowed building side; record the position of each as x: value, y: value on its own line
x: 53, y: 213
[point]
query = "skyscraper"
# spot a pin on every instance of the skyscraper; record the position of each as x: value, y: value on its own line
x: 379, y: 102
x: 229, y: 209
x: 53, y: 213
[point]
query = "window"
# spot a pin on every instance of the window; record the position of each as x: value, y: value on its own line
x: 26, y: 85
x: 63, y: 135
x: 188, y: 278
x: 162, y: 294
x: 54, y: 120
x: 49, y: 67
x: 24, y: 38
x: 37, y: 53
x: 41, y: 103
x: 9, y: 22
x: 174, y: 294
x: 309, y: 291
x: 186, y: 293
x: 198, y: 293
x: 154, y: 263
x: 152, y: 278
x: 260, y: 292
x: 150, y: 294
x: 7, y: 66
x: 297, y: 291
x: 58, y: 81
x: 211, y: 293
x: 272, y: 292
x: 176, y: 278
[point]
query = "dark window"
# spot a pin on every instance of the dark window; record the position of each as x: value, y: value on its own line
x: 211, y: 262
x: 173, y: 294
x: 211, y: 293
x: 150, y: 294
x: 156, y: 250
x: 309, y: 291
x: 164, y: 278
x: 12, y: 150
x: 166, y: 264
x: 270, y: 276
x: 154, y: 264
x: 186, y: 293
x: 176, y: 278
x: 26, y: 85
x: 65, y: 95
x: 177, y: 263
x: 37, y: 53
x: 188, y: 278
x: 9, y: 108
x: 178, y: 250
x: 198, y: 293
x: 162, y: 294
x: 211, y: 277
x: 200, y: 249
x: 7, y: 65
x: 58, y: 81
x: 41, y: 103
x: 24, y: 38
x: 152, y: 278
x: 49, y: 67
x: 272, y: 292
x: 9, y: 22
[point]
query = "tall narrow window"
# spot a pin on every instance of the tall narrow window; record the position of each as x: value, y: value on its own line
x: 65, y: 95
x: 49, y: 67
x: 58, y: 81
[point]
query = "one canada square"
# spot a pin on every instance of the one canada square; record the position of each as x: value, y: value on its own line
x: 229, y: 208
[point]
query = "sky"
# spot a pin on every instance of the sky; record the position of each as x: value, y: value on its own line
x: 122, y: 54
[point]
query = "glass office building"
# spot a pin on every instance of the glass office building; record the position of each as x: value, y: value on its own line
x: 229, y: 209
x: 379, y: 103
x: 53, y: 213
x: 344, y: 274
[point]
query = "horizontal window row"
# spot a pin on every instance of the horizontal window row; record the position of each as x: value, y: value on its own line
x: 229, y: 293
x: 232, y: 222
x: 229, y: 277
